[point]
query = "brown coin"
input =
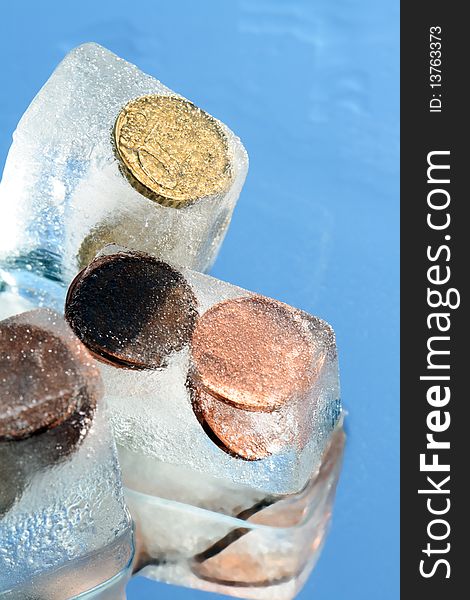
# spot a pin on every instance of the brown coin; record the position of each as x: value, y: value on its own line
x: 131, y: 310
x: 171, y: 151
x: 60, y: 442
x: 255, y: 353
x: 39, y: 384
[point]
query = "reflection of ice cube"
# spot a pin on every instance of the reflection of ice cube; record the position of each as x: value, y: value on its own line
x: 61, y: 503
x: 264, y: 553
x: 63, y: 197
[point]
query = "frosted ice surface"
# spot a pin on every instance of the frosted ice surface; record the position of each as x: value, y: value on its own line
x: 62, y: 195
x: 152, y: 415
x: 62, y: 504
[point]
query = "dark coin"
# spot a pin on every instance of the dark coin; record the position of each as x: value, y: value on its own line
x: 48, y: 396
x: 131, y: 310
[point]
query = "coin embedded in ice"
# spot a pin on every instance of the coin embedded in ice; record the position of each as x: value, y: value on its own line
x: 171, y: 151
x: 35, y: 394
x: 101, y: 236
x: 254, y: 353
x: 251, y: 357
x: 131, y: 310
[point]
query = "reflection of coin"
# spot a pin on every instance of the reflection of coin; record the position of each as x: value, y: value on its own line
x: 229, y: 428
x: 172, y: 151
x: 240, y: 566
x: 246, y: 557
x: 131, y: 310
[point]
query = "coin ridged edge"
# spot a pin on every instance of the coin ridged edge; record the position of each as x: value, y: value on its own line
x: 147, y: 192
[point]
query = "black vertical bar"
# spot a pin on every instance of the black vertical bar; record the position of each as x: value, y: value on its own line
x: 434, y: 129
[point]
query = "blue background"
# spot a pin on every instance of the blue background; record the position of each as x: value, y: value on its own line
x: 312, y: 90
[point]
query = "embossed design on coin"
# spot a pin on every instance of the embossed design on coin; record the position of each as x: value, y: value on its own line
x: 171, y: 151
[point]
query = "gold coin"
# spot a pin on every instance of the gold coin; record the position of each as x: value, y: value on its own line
x: 97, y: 239
x: 171, y: 151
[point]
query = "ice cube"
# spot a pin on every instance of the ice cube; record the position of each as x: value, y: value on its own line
x: 106, y: 153
x: 214, y: 378
x: 223, y: 403
x: 64, y: 528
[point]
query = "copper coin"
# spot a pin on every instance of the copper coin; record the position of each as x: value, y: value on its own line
x: 235, y: 431
x: 131, y: 310
x: 255, y: 353
x: 40, y: 387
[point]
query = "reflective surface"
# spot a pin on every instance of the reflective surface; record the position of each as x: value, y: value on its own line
x: 264, y: 553
x: 312, y: 89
